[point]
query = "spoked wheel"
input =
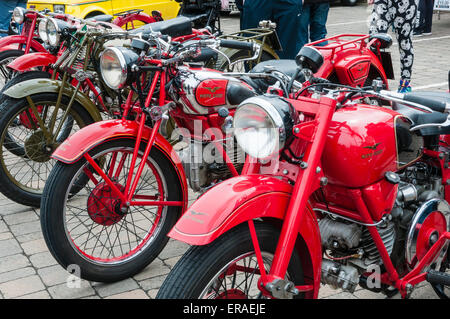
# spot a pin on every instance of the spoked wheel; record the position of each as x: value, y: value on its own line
x: 94, y: 228
x: 29, y: 133
x: 7, y: 57
x: 227, y: 268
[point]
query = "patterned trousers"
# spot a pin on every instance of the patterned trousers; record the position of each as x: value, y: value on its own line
x: 401, y: 15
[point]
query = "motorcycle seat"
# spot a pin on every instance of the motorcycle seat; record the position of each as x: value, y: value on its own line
x: 289, y: 67
x: 102, y: 18
x: 175, y: 27
x: 419, y: 117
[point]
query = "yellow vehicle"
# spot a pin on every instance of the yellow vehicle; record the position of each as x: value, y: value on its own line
x: 89, y: 8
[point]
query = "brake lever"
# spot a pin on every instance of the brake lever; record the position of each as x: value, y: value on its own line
x: 254, y: 57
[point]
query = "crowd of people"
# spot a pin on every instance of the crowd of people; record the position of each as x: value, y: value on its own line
x: 303, y: 21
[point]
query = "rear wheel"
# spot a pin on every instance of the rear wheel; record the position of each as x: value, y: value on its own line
x: 227, y: 267
x: 92, y: 230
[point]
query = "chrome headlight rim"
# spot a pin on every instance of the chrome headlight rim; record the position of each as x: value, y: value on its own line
x: 42, y: 30
x: 55, y: 6
x: 18, y: 15
x: 123, y: 66
x: 281, y: 116
x: 50, y: 40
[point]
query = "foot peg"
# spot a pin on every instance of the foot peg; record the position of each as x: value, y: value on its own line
x: 439, y: 278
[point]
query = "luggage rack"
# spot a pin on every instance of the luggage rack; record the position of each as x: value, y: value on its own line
x: 339, y: 42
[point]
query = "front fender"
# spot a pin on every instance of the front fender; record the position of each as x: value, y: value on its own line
x: 6, y: 43
x: 32, y: 60
x: 243, y: 198
x: 41, y: 85
x: 76, y: 145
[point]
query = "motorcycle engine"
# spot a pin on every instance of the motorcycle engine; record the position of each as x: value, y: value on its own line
x: 350, y: 250
x: 205, y: 166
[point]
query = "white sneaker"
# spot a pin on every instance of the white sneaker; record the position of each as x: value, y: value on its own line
x: 427, y: 33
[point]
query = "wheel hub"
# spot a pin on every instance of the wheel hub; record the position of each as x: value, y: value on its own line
x: 37, y: 148
x: 104, y: 206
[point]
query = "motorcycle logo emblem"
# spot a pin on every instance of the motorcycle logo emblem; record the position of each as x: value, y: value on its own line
x: 374, y: 149
x: 212, y: 89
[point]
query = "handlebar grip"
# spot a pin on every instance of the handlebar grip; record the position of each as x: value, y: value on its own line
x: 240, y: 45
x: 433, y: 104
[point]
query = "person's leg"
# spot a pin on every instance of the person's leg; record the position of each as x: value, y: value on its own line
x: 421, y: 12
x: 255, y: 11
x: 303, y: 27
x: 5, y: 15
x: 287, y: 15
x: 381, y: 17
x: 318, y: 25
x: 428, y: 18
x: 403, y: 24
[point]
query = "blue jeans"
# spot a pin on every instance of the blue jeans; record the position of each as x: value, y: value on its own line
x: 313, y: 22
x: 5, y: 15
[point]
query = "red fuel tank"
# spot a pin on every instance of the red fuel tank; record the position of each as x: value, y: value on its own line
x: 364, y: 142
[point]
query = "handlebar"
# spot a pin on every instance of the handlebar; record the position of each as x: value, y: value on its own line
x: 239, y: 45
x: 437, y: 106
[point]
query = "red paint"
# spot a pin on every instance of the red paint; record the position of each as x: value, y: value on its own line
x: 212, y: 92
x: 32, y: 60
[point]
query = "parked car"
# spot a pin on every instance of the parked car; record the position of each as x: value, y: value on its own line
x: 86, y: 9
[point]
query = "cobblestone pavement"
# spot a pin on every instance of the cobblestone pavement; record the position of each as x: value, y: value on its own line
x: 27, y: 270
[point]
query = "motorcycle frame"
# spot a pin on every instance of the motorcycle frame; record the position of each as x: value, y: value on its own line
x: 142, y: 116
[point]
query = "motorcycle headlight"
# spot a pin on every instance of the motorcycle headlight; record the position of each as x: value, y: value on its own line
x: 115, y: 66
x: 53, y: 31
x: 59, y: 8
x: 42, y: 30
x: 263, y: 125
x: 18, y: 15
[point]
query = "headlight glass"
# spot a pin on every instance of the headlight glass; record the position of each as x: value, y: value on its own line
x: 52, y: 32
x: 59, y: 8
x: 262, y: 125
x: 113, y: 68
x: 42, y: 30
x: 18, y: 15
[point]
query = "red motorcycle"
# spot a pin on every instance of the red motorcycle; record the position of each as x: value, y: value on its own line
x: 119, y: 186
x: 333, y: 191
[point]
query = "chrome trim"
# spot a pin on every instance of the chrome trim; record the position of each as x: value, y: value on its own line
x: 123, y: 66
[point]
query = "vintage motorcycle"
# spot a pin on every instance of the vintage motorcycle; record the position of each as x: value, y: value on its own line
x: 333, y: 191
x: 33, y: 24
x: 121, y: 181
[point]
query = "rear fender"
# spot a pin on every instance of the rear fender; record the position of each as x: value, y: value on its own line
x: 74, y: 147
x: 32, y: 60
x: 243, y: 198
x: 41, y: 85
x: 13, y: 42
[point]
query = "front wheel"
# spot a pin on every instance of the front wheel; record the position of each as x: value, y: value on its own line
x: 83, y: 220
x: 227, y: 267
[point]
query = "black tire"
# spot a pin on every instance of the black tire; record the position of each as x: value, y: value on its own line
x: 201, y: 264
x: 5, y: 58
x: 56, y: 219
x: 29, y: 192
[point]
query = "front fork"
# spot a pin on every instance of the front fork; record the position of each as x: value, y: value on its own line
x: 306, y: 181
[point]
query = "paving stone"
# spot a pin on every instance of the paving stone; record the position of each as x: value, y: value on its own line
x: 64, y: 292
x: 43, y: 294
x: 152, y: 283
x: 105, y: 290
x: 156, y: 268
x: 16, y: 274
x: 6, y: 235
x: 134, y: 294
x: 22, y: 286
x: 9, y: 247
x: 13, y: 262
x: 53, y: 275
x: 29, y: 237
x: 26, y: 228
x: 19, y: 218
x: 34, y: 246
x: 43, y: 259
x: 173, y: 249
